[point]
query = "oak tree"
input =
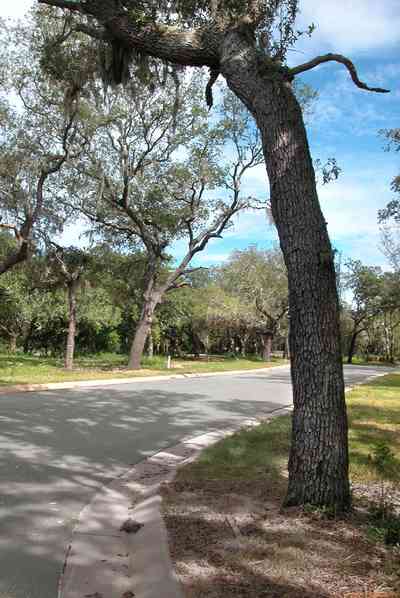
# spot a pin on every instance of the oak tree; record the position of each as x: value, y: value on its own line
x: 39, y: 138
x: 237, y: 39
x: 259, y: 279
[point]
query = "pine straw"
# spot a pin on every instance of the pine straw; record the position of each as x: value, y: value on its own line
x: 233, y: 540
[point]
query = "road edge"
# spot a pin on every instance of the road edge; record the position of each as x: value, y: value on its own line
x: 143, y: 566
x: 103, y: 561
x: 115, y: 381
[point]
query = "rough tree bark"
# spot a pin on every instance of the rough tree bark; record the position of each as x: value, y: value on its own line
x: 70, y: 346
x: 150, y: 345
x: 318, y: 463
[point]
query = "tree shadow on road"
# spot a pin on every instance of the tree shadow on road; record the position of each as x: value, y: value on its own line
x: 58, y: 447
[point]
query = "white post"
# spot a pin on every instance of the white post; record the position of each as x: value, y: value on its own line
x: 169, y: 362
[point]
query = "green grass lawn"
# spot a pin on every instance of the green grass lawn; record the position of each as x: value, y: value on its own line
x: 374, y: 416
x: 25, y: 369
x: 357, y: 360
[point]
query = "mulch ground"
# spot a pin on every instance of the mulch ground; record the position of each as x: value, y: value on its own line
x: 233, y: 540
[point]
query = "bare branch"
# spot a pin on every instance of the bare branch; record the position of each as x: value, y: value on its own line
x: 214, y: 74
x: 335, y: 58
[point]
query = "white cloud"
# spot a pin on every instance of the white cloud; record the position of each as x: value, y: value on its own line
x: 350, y: 26
x: 351, y: 207
x: 211, y: 258
x: 16, y: 9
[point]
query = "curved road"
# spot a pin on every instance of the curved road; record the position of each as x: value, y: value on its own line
x: 58, y: 447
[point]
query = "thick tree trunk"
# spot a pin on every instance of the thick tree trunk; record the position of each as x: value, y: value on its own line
x: 267, y: 346
x: 70, y: 347
x: 318, y: 463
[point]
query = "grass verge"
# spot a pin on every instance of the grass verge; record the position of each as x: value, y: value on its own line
x: 230, y: 537
x: 28, y: 369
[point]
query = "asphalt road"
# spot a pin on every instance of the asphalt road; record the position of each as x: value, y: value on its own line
x: 58, y: 447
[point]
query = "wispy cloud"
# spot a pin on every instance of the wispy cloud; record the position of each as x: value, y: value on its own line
x: 16, y: 9
x: 351, y: 26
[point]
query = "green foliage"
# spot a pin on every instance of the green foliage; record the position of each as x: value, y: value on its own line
x: 383, y: 458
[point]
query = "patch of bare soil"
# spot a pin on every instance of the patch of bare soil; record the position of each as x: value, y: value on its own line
x: 233, y: 540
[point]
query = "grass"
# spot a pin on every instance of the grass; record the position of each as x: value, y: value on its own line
x: 374, y: 361
x: 374, y: 416
x: 28, y: 369
x: 270, y: 551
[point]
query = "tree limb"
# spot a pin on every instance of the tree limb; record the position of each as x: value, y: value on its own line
x: 198, y: 47
x: 214, y: 74
x: 335, y: 58
x: 94, y: 32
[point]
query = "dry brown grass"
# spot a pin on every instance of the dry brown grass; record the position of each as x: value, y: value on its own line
x: 232, y: 539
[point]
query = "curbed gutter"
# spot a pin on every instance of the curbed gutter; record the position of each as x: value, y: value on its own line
x: 104, y: 562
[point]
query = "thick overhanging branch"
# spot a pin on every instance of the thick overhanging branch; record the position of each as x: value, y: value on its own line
x: 18, y: 256
x: 199, y: 47
x: 94, y: 32
x: 307, y: 66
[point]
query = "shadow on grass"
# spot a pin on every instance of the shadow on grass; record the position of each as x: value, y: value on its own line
x: 391, y: 380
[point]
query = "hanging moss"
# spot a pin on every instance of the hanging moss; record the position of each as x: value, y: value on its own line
x: 115, y: 60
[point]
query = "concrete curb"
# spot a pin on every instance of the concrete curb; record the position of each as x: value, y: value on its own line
x: 104, y: 562
x: 114, y: 381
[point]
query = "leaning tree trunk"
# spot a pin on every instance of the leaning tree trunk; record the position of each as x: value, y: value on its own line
x: 70, y: 347
x: 143, y: 329
x: 352, y: 347
x: 150, y: 345
x: 267, y: 346
x: 318, y: 462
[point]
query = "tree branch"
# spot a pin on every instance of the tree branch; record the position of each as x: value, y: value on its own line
x: 335, y: 58
x: 198, y: 47
x: 94, y: 32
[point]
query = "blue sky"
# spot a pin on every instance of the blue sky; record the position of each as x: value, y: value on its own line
x: 345, y: 125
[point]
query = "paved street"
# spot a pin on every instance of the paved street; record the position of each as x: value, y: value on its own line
x: 57, y: 447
